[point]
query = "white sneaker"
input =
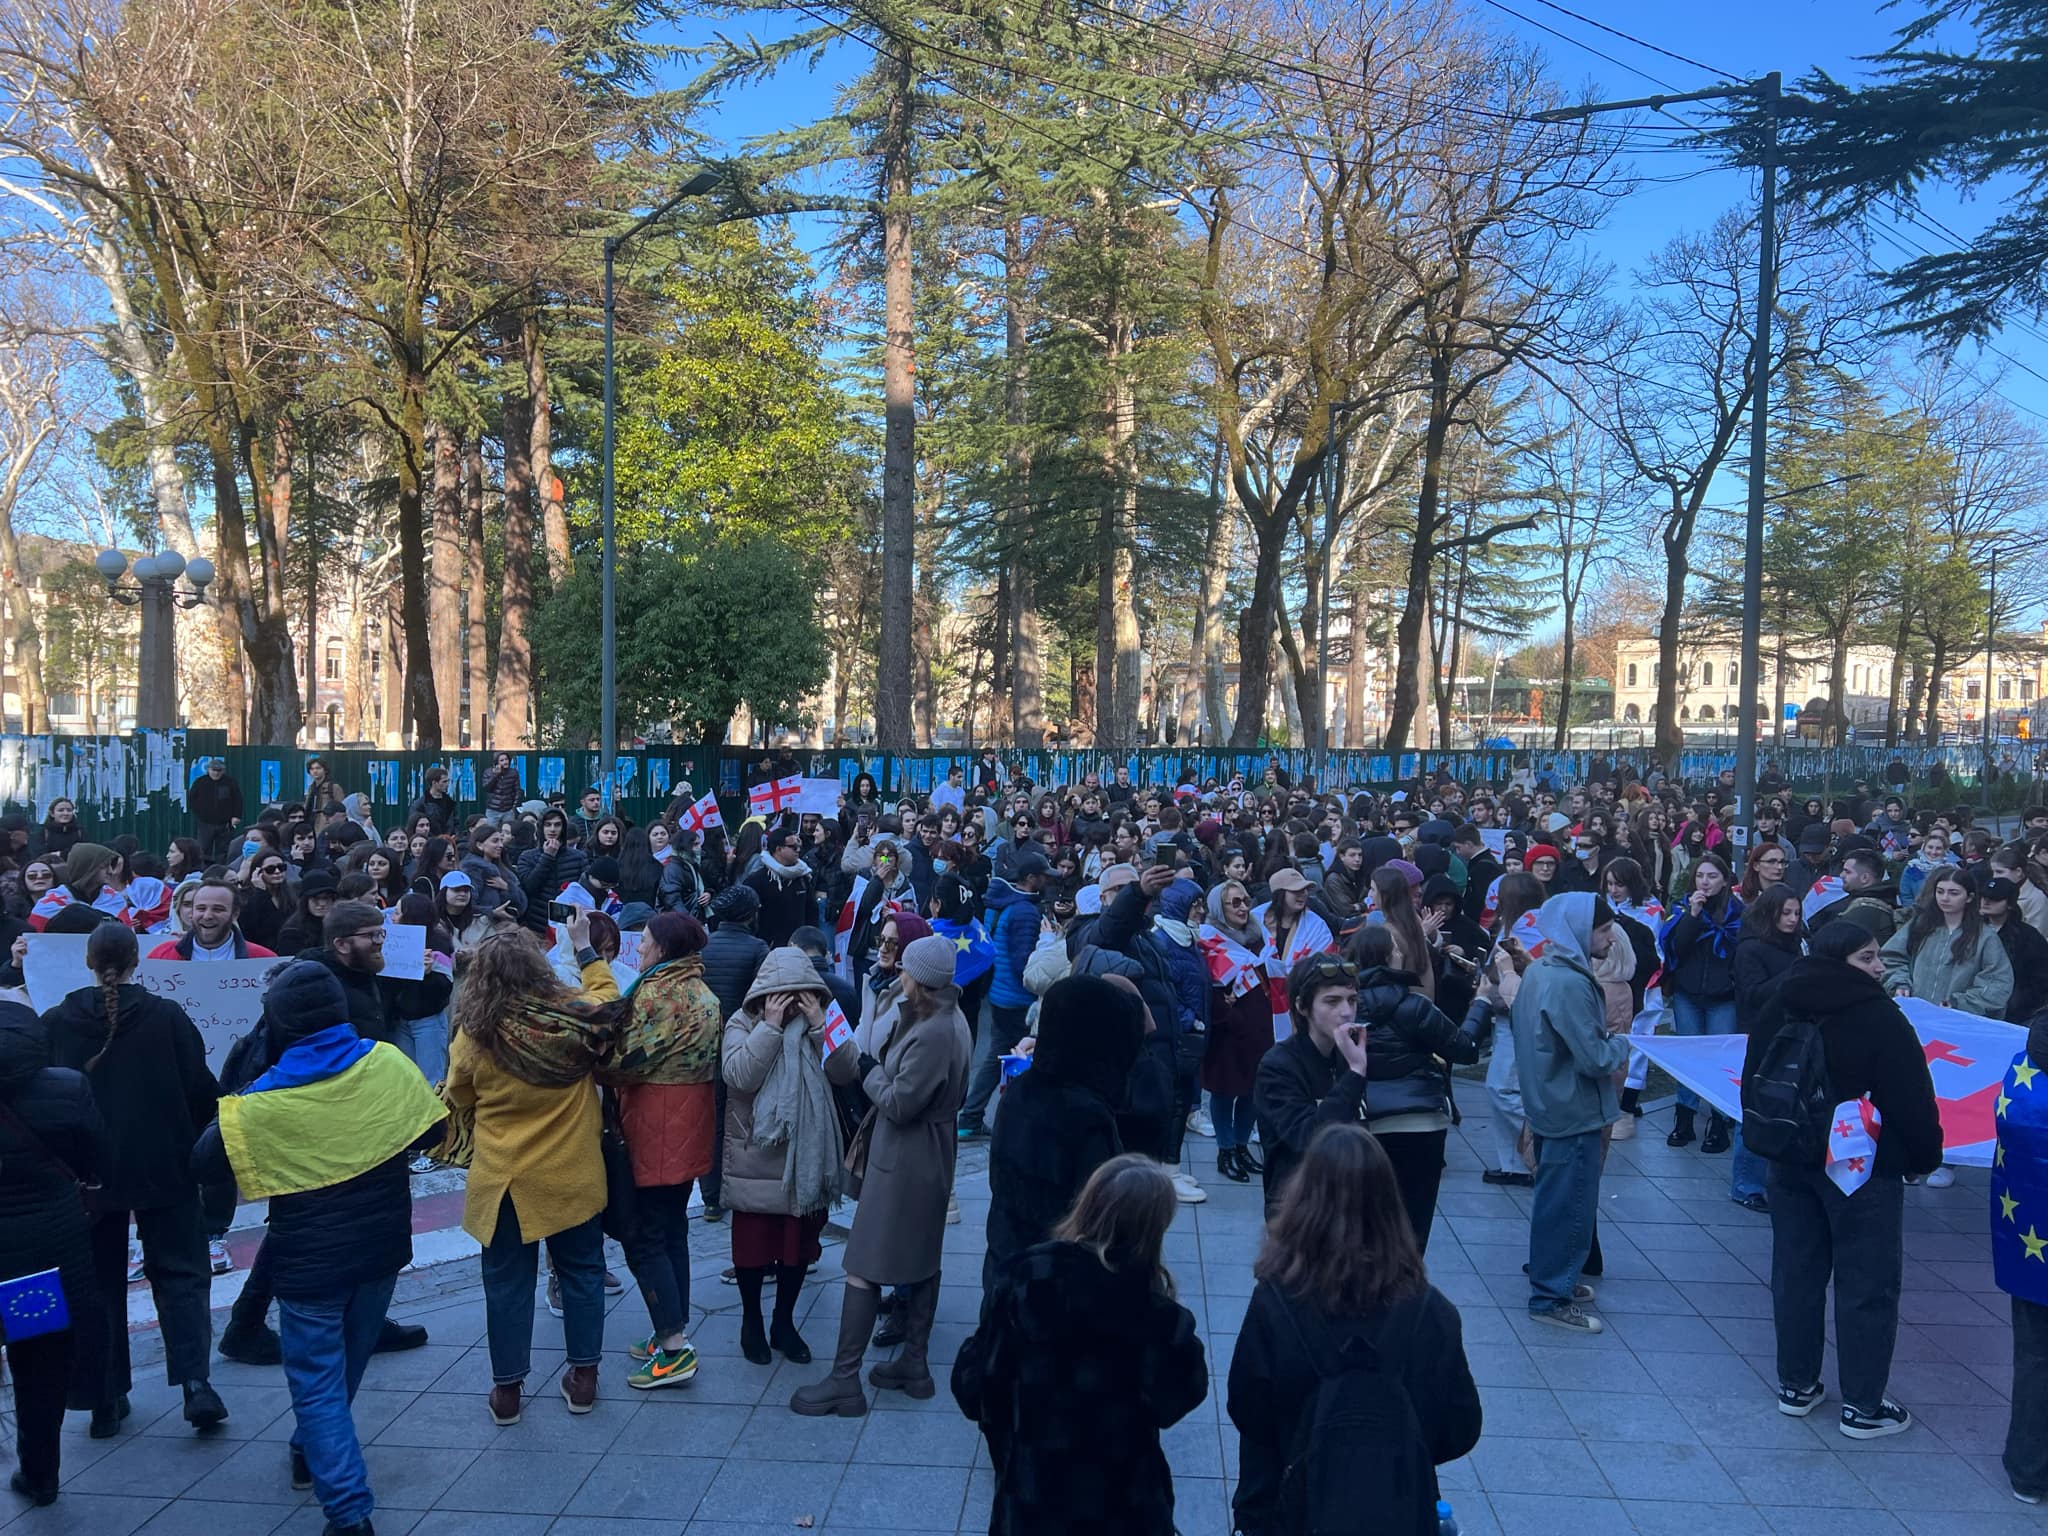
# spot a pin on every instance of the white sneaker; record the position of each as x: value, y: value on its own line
x: 1942, y: 1178
x: 952, y: 1210
x: 217, y: 1256
x: 134, y: 1261
x: 421, y: 1164
x: 1187, y: 1191
x: 1200, y: 1124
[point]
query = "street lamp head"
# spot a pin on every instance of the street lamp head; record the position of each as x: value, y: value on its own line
x: 170, y: 565
x: 199, y: 572
x: 148, y: 568
x: 704, y: 181
x: 110, y: 563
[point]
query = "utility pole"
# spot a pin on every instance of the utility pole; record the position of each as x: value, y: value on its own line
x: 1766, y: 92
x: 1990, y: 660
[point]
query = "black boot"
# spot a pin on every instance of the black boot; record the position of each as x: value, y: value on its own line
x: 395, y: 1337
x: 782, y: 1334
x: 895, y: 1315
x: 909, y: 1373
x: 1231, y: 1167
x: 203, y: 1407
x: 840, y: 1392
x: 1681, y: 1133
x: 1249, y: 1162
x: 1717, y: 1134
x: 250, y: 1340
x: 1632, y: 1102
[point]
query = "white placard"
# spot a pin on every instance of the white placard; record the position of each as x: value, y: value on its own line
x: 53, y: 968
x: 224, y: 998
x: 405, y: 949
x: 1496, y: 840
x: 820, y: 796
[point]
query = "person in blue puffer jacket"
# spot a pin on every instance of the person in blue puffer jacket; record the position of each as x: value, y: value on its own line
x: 1014, y: 922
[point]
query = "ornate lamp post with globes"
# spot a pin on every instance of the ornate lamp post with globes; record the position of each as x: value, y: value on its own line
x: 154, y: 587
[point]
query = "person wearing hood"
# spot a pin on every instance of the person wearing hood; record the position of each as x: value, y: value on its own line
x: 1058, y: 1123
x: 1567, y: 1060
x: 553, y: 863
x: 1240, y: 1026
x: 86, y: 867
x: 1818, y: 1228
x: 1082, y: 1358
x: 1016, y: 922
x: 782, y: 1142
x: 1409, y: 1046
x: 1869, y: 896
x: 147, y: 1066
x: 783, y: 882
x: 900, y: 1168
x: 1461, y: 944
x: 1933, y: 855
x: 51, y: 1139
x: 323, y: 1135
x: 1892, y: 828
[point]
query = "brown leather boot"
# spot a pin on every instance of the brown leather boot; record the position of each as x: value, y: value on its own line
x: 840, y: 1393
x: 909, y: 1373
x: 505, y: 1403
x: 579, y: 1388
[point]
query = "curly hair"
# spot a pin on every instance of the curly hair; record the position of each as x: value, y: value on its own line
x: 501, y: 973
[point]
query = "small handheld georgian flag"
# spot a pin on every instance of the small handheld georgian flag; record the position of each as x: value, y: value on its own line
x: 1852, y: 1144
x: 702, y: 814
x: 837, y: 1030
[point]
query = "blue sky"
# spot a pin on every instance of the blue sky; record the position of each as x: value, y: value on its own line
x: 1750, y: 37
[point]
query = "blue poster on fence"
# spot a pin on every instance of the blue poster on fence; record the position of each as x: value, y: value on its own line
x: 270, y: 781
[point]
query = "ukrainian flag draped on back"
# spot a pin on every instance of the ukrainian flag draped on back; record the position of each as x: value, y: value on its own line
x: 2019, y: 1183
x: 334, y: 1106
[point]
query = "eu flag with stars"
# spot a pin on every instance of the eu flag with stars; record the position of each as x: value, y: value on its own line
x: 31, y: 1306
x: 2019, y: 1183
x: 974, y: 950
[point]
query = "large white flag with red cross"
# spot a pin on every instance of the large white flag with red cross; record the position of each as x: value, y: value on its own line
x: 1967, y: 1056
x: 701, y: 815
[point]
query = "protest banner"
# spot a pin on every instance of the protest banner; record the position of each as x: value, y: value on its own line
x: 818, y: 797
x: 405, y: 949
x: 224, y: 998
x: 1967, y: 1056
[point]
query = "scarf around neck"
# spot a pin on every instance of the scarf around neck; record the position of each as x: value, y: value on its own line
x: 556, y: 1044
x: 795, y: 1111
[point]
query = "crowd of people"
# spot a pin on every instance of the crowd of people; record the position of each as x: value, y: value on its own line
x: 615, y: 1018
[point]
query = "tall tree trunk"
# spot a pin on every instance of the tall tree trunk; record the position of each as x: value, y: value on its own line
x: 314, y: 649
x: 1898, y: 674
x: 893, y: 682
x: 27, y: 643
x: 1838, y: 689
x: 1778, y: 665
x: 1116, y: 617
x: 1937, y: 669
x: 1354, y: 674
x: 474, y: 659
x: 1255, y: 630
x: 540, y: 440
x: 397, y: 668
x: 421, y: 717
x: 927, y: 703
x: 512, y: 683
x: 1668, y: 738
x: 1562, y: 734
x: 1027, y: 681
x: 444, y: 597
x: 1210, y: 631
x: 1411, y: 634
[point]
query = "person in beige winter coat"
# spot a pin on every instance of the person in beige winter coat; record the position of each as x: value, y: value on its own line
x: 901, y: 1168
x: 782, y: 1142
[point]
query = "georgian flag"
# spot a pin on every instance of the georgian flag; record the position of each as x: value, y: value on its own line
x: 1827, y: 890
x: 701, y: 815
x: 1852, y: 1144
x: 1311, y: 936
x: 1528, y: 935
x: 775, y: 796
x: 842, y: 927
x: 1231, y: 966
x: 837, y: 1030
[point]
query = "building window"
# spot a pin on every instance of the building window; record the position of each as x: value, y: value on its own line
x: 65, y: 702
x: 1630, y: 714
x: 1706, y: 674
x: 2005, y: 690
x: 1631, y: 674
x: 1734, y: 673
x: 1974, y: 689
x: 334, y: 661
x: 1656, y: 672
x: 2027, y: 689
x: 1706, y: 711
x: 1685, y: 711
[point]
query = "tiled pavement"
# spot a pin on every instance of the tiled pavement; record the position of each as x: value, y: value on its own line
x: 1666, y: 1423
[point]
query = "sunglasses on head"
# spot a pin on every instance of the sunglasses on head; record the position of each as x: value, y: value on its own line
x: 1330, y: 968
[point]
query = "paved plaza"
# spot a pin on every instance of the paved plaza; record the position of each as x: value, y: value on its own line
x: 1664, y: 1424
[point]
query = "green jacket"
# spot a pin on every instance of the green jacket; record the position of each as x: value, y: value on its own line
x: 1980, y: 983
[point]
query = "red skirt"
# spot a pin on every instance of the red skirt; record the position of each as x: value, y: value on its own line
x: 760, y: 1241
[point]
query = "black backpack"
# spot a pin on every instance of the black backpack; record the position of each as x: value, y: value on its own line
x: 1787, y: 1104
x: 1358, y: 1464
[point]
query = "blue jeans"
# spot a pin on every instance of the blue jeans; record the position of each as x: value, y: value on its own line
x: 425, y: 1043
x: 1561, y: 1220
x: 511, y: 1265
x: 1233, y: 1117
x: 1690, y: 1016
x: 327, y: 1341
x: 1746, y: 1173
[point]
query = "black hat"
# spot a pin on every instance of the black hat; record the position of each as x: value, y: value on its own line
x: 317, y: 882
x: 303, y: 999
x: 604, y: 867
x: 1027, y: 864
x: 1813, y: 839
x: 1998, y: 888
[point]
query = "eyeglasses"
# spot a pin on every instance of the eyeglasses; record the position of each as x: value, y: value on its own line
x: 1330, y: 968
x: 369, y: 935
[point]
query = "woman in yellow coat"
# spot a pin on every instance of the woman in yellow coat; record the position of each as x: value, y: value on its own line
x: 520, y: 1064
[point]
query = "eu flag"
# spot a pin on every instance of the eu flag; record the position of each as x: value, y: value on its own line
x: 974, y: 950
x: 33, y: 1305
x: 2019, y: 1183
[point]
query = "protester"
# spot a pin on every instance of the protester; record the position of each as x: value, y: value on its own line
x: 323, y: 1136
x: 782, y: 882
x: 1340, y: 1274
x: 1698, y: 941
x: 1083, y: 1358
x: 1316, y: 1075
x: 1014, y: 930
x: 1773, y: 937
x: 661, y: 1071
x: 783, y: 1143
x: 52, y: 1139
x: 519, y: 1068
x: 901, y: 1171
x: 1567, y: 1061
x: 215, y: 801
x: 1240, y: 1027
x: 212, y: 933
x: 1516, y: 945
x: 1852, y: 1231
x: 1946, y: 954
x: 147, y: 1066
x: 2026, y: 952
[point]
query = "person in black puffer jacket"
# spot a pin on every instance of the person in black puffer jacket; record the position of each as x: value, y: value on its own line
x: 732, y: 957
x: 340, y: 1212
x: 1408, y: 1041
x: 50, y: 1131
x: 1699, y: 942
x: 1816, y: 1229
x: 544, y: 869
x: 148, y: 1070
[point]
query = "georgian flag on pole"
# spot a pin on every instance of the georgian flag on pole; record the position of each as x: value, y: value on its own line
x: 842, y: 927
x: 701, y: 815
x: 776, y: 796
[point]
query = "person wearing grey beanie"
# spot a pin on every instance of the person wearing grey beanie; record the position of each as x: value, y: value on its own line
x: 901, y: 1171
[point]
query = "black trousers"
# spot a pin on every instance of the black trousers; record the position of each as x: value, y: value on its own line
x: 252, y: 1306
x: 174, y: 1260
x: 1817, y: 1231
x: 41, y: 1368
x: 212, y: 837
x: 658, y: 1253
x: 714, y: 1182
x: 2026, y: 1441
x: 1418, y: 1159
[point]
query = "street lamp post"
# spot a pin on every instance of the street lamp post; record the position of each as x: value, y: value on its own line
x: 154, y: 588
x: 608, y: 705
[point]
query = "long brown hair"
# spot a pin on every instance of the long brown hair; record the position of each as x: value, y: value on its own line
x: 111, y: 954
x: 1396, y: 901
x: 1927, y: 918
x: 1121, y: 1216
x: 1341, y: 1240
x: 505, y: 972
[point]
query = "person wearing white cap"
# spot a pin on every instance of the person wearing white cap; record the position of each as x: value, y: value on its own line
x: 455, y: 900
x: 901, y: 1168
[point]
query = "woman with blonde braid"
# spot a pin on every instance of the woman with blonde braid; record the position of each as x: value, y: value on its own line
x: 147, y: 1066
